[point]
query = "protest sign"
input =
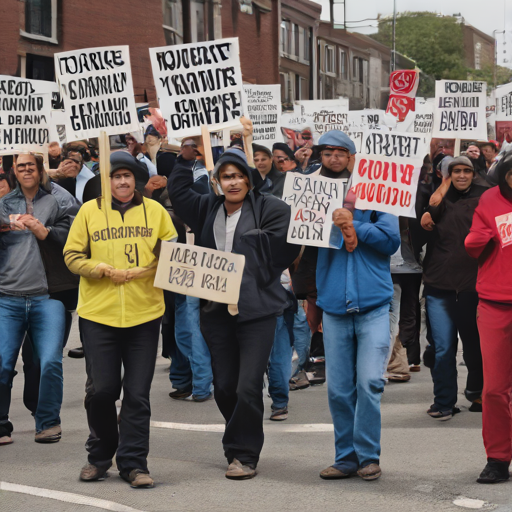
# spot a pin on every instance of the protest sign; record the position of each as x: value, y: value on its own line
x: 460, y: 110
x: 313, y: 200
x: 403, y: 85
x: 25, y: 108
x: 504, y: 225
x: 199, y: 84
x: 386, y: 172
x: 504, y: 103
x: 264, y: 110
x: 421, y: 120
x: 200, y: 272
x: 97, y: 90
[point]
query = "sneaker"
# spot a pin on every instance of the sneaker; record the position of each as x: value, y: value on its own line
x: 238, y: 471
x: 495, y: 471
x: 370, y: 472
x: 180, y: 394
x: 5, y: 440
x: 202, y: 398
x: 415, y: 368
x: 138, y: 479
x: 90, y: 473
x: 76, y: 353
x: 332, y: 473
x: 435, y: 413
x: 398, y: 377
x: 50, y: 435
x: 476, y: 405
x: 279, y: 414
x: 300, y: 381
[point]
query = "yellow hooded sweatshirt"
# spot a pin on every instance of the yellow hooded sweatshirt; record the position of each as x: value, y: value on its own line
x: 130, y: 243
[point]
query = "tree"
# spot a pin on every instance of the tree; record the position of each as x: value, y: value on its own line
x: 435, y: 42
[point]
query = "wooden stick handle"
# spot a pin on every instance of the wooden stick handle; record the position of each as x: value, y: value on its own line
x: 106, y: 191
x: 207, y: 147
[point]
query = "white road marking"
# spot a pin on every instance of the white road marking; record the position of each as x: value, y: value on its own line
x: 273, y: 427
x: 67, y: 497
x: 461, y: 501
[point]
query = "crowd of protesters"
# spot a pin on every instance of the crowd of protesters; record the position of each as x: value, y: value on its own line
x: 350, y: 316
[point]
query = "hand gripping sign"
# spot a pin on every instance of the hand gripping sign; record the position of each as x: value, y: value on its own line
x: 200, y: 272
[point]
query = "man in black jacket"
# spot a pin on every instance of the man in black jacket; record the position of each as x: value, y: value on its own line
x: 451, y: 299
x: 256, y: 226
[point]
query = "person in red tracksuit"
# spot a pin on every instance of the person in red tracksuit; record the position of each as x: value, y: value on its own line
x: 490, y: 241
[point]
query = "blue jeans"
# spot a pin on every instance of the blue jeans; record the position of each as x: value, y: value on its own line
x: 356, y: 351
x: 301, y: 339
x: 280, y: 363
x: 191, y: 343
x: 44, y: 320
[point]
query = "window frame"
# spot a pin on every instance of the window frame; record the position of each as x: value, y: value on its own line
x: 330, y: 69
x: 53, y: 38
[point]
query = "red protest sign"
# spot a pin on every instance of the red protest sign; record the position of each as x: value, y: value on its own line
x: 504, y: 225
x: 403, y: 85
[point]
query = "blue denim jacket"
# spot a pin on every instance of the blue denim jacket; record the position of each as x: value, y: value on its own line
x: 359, y: 281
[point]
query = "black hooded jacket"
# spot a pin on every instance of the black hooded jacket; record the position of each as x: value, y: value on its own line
x: 260, y: 236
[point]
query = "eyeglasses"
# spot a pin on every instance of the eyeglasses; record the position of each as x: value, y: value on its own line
x: 280, y: 160
x: 29, y: 168
x: 232, y: 177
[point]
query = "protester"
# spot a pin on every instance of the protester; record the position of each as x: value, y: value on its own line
x: 490, y: 151
x: 116, y: 252
x: 284, y: 158
x: 5, y: 184
x: 489, y: 242
x: 266, y: 177
x: 24, y: 302
x: 451, y: 300
x: 245, y: 222
x: 54, y: 155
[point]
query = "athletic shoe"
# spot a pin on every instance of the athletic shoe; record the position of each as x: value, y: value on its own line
x: 370, y: 472
x: 398, y: 377
x: 5, y: 440
x: 300, y: 381
x: 279, y: 414
x: 90, y: 473
x: 238, y: 471
x: 180, y: 394
x: 495, y: 471
x: 50, y: 435
x: 138, y: 479
x: 332, y: 473
x: 435, y: 413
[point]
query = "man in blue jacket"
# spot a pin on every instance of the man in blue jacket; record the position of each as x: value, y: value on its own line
x: 354, y: 290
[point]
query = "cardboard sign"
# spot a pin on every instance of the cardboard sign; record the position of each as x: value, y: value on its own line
x: 25, y: 109
x: 200, y: 272
x: 504, y: 225
x: 386, y: 172
x: 97, y: 90
x: 313, y: 200
x: 460, y: 110
x: 421, y: 120
x: 504, y: 103
x: 264, y: 110
x: 199, y: 84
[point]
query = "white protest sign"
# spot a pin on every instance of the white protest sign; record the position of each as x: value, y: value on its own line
x: 25, y: 108
x: 200, y: 272
x: 421, y: 119
x: 504, y: 103
x: 313, y: 200
x: 97, y: 90
x: 199, y: 84
x: 460, y: 110
x: 386, y: 172
x: 264, y: 110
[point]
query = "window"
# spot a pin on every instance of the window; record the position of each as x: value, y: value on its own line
x: 39, y: 68
x: 302, y: 88
x: 295, y: 37
x: 357, y: 69
x: 286, y: 88
x: 330, y: 66
x: 41, y: 20
x: 306, y: 44
x: 197, y: 20
x: 173, y: 26
x: 343, y: 64
x: 285, y: 37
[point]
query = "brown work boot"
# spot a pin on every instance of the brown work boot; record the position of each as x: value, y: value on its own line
x: 370, y: 472
x: 138, y: 479
x: 90, y: 473
x: 332, y: 473
x: 238, y: 471
x: 50, y: 435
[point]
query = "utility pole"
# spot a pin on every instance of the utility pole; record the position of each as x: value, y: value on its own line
x: 393, y: 56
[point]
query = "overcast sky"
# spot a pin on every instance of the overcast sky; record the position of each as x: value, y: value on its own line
x: 486, y: 15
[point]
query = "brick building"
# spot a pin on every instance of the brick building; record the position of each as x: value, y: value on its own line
x: 479, y: 48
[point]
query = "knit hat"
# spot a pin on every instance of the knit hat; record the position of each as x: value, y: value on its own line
x: 258, y: 148
x: 236, y: 157
x: 151, y: 130
x: 460, y: 160
x: 337, y: 139
x: 123, y: 160
x: 281, y: 146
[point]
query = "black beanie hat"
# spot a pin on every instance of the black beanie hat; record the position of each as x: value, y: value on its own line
x: 123, y: 160
x: 281, y: 146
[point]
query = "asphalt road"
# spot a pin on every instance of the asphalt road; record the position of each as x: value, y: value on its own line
x: 427, y: 465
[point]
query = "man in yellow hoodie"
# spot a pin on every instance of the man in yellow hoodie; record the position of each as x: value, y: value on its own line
x: 116, y: 255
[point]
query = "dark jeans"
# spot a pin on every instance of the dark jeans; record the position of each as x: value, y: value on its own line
x: 106, y: 348
x: 409, y: 325
x: 240, y: 352
x: 451, y: 314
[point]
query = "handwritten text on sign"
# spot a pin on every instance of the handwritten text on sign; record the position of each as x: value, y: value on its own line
x: 25, y: 108
x: 200, y: 272
x: 97, y: 90
x: 198, y: 84
x: 460, y: 110
x: 313, y: 200
x: 386, y: 184
x: 504, y: 225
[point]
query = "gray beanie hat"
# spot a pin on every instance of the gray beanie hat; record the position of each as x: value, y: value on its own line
x: 460, y: 160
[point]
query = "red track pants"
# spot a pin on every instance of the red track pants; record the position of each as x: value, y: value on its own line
x: 495, y: 327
